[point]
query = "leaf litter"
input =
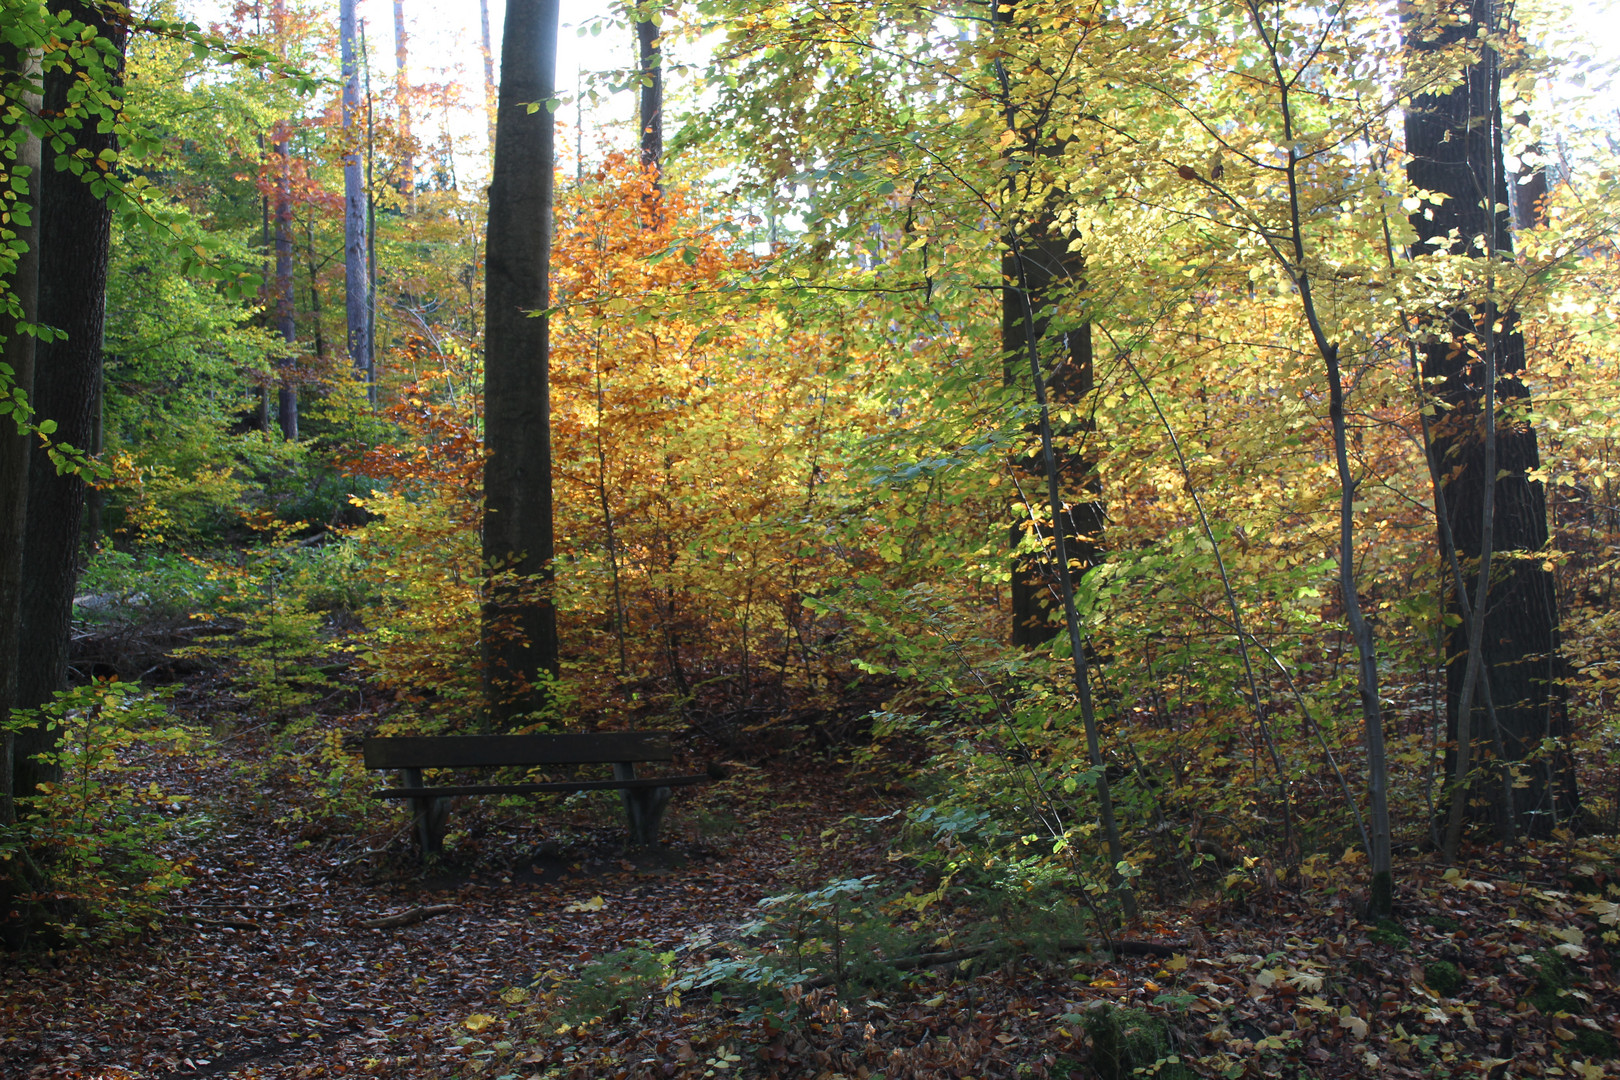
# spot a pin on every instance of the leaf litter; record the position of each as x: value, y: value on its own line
x: 286, y: 958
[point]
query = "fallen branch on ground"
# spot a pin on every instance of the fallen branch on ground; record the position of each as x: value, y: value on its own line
x: 1125, y: 946
x: 406, y: 918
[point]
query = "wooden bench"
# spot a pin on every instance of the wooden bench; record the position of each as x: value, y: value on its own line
x: 644, y: 797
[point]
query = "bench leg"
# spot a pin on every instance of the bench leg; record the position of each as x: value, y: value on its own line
x: 428, y: 815
x: 643, y: 807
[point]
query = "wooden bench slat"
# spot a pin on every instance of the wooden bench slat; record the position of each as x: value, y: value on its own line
x: 465, y: 751
x: 528, y: 789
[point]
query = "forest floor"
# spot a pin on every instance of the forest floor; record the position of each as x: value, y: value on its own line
x: 539, y: 950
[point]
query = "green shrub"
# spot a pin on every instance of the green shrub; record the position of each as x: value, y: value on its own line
x: 91, y: 840
x: 149, y: 583
x: 1124, y: 1041
x: 611, y: 986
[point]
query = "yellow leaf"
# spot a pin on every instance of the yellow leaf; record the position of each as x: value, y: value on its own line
x: 1178, y: 962
x: 477, y: 1022
x: 595, y: 903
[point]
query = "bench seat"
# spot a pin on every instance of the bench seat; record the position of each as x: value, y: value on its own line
x: 644, y: 796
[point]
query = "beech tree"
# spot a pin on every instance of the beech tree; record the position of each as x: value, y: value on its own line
x: 75, y: 219
x: 356, y: 290
x: 282, y: 290
x: 1502, y: 667
x: 1042, y: 267
x: 519, y: 626
x: 19, y: 305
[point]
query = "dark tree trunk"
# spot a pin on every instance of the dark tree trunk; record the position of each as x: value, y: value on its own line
x: 287, y: 393
x: 1050, y: 270
x: 1455, y: 139
x: 286, y: 325
x: 16, y: 69
x: 519, y: 634
x: 651, y: 65
x: 74, y: 247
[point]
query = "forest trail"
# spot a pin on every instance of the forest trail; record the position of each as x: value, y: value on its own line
x: 263, y: 967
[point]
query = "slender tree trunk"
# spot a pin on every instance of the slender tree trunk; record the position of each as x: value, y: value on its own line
x: 402, y: 94
x: 1295, y: 258
x: 261, y: 417
x: 286, y: 323
x: 312, y: 267
x: 356, y: 280
x: 519, y: 638
x: 1474, y: 359
x: 489, y: 74
x: 287, y: 393
x: 22, y: 285
x: 74, y: 246
x: 650, y: 62
x: 1036, y: 269
x: 371, y: 228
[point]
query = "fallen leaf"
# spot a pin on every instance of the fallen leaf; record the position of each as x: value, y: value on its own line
x: 595, y: 903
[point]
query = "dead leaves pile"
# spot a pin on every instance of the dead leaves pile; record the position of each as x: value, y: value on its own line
x: 267, y: 968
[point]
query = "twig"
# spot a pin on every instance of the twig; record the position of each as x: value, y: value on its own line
x: 1126, y: 946
x: 407, y: 917
x: 236, y: 924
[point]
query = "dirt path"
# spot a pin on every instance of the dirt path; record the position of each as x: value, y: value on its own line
x: 263, y: 968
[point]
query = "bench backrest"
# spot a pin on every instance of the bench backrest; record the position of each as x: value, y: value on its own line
x: 459, y: 751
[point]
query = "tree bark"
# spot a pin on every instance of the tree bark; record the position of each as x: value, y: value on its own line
x: 74, y: 246
x: 650, y: 63
x: 286, y: 321
x: 1038, y: 258
x: 287, y: 392
x: 519, y: 632
x: 355, y: 278
x: 489, y: 73
x: 402, y: 97
x: 1470, y: 354
x: 18, y: 70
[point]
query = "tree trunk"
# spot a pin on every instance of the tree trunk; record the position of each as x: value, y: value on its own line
x: 355, y: 278
x: 1038, y: 257
x: 489, y: 73
x: 21, y: 290
x: 1471, y: 354
x: 519, y: 633
x: 286, y: 325
x: 402, y: 96
x: 287, y: 392
x: 650, y: 63
x: 1050, y: 270
x: 74, y: 243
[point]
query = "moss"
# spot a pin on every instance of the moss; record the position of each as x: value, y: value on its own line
x: 1443, y: 924
x: 1443, y: 978
x: 1389, y: 932
x: 1553, y: 977
x: 1125, y: 1040
x: 1595, y: 1044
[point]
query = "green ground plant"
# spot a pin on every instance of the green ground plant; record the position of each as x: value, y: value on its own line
x: 89, y: 845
